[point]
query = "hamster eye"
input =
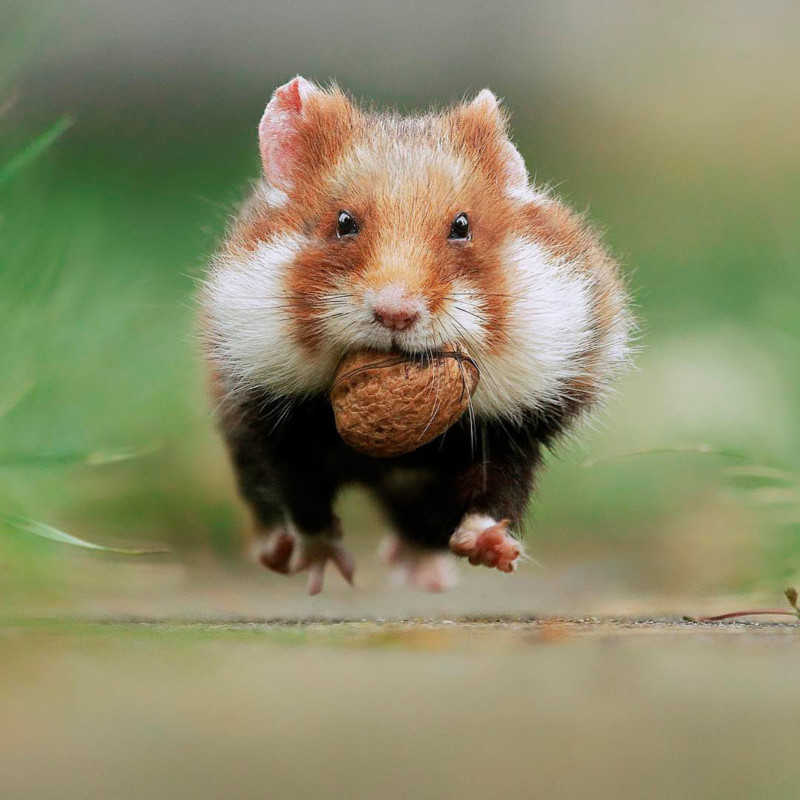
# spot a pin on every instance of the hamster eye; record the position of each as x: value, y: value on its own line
x: 346, y: 225
x: 459, y: 228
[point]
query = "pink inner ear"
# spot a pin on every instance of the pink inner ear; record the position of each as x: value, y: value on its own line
x: 278, y: 132
x: 517, y: 172
x: 289, y: 96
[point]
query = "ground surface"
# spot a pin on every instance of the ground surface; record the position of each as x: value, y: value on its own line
x: 225, y: 685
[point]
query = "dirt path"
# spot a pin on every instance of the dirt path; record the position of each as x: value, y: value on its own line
x: 552, y: 708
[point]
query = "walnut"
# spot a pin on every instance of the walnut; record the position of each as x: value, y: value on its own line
x: 387, y: 404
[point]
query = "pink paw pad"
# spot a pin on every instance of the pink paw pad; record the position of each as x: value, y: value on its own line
x: 492, y: 546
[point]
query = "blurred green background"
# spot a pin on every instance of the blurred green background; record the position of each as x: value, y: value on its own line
x: 676, y: 125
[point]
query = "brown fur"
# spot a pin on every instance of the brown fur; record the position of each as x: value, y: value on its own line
x: 283, y: 281
x: 457, y: 160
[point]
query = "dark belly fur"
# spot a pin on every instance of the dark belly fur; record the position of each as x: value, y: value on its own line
x: 298, y: 464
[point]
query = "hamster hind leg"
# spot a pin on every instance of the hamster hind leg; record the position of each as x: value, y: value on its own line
x: 421, y: 521
x: 417, y: 567
x: 291, y: 502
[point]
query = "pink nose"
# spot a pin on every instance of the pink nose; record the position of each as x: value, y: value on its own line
x: 395, y: 318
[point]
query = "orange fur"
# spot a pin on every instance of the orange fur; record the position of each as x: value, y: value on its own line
x: 404, y: 180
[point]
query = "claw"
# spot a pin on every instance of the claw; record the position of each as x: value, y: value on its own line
x: 316, y: 573
x: 289, y: 552
x: 316, y: 562
x: 345, y: 563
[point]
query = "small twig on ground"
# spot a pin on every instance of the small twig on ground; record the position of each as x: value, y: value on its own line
x: 791, y: 596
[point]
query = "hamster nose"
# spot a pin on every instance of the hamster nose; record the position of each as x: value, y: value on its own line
x: 395, y: 318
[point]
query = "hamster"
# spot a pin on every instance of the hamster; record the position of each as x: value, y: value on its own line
x: 402, y: 234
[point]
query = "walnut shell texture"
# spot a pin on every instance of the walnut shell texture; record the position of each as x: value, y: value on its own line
x: 387, y: 404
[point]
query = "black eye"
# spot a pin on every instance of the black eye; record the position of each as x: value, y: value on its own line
x: 459, y: 229
x: 346, y: 225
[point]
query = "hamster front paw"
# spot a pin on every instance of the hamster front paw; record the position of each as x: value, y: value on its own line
x: 289, y: 552
x: 485, y: 541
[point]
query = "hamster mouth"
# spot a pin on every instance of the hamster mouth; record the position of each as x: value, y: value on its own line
x: 422, y: 345
x: 394, y: 357
x: 413, y: 343
x: 423, y: 353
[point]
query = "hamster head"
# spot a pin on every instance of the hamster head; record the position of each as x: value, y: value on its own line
x: 378, y: 231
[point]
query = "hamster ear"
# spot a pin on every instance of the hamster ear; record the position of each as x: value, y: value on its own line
x: 279, y: 130
x: 486, y: 102
x: 487, y: 108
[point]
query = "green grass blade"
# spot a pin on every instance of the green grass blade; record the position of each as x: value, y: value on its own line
x: 38, y: 146
x: 92, y: 458
x: 765, y: 472
x: 768, y: 496
x: 703, y: 449
x: 100, y: 457
x: 44, y: 531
